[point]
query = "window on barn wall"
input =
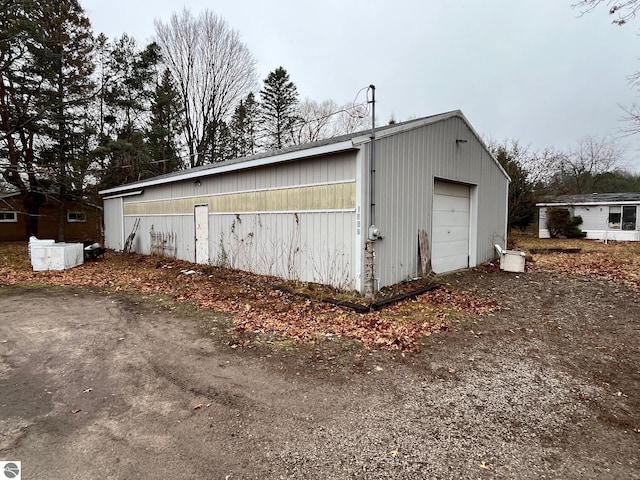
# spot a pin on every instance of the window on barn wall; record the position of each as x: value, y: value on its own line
x: 76, y: 217
x: 615, y: 214
x: 629, y: 217
x: 8, y: 217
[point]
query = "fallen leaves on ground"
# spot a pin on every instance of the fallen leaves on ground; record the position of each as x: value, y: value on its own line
x: 618, y: 261
x: 256, y: 307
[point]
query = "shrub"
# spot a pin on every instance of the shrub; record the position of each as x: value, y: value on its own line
x: 561, y: 224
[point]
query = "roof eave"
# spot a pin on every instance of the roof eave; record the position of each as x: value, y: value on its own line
x: 216, y: 170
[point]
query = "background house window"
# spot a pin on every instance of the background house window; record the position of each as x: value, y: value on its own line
x: 76, y: 217
x: 614, y: 217
x: 8, y: 217
x: 629, y: 217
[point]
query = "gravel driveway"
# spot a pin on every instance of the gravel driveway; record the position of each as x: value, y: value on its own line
x: 94, y: 386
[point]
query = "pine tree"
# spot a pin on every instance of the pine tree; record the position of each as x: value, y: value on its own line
x: 278, y: 102
x: 243, y: 127
x: 62, y: 59
x: 128, y: 79
x: 164, y: 127
x: 46, y: 70
x: 18, y: 114
x: 219, y: 142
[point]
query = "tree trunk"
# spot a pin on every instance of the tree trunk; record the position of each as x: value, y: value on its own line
x: 32, y: 202
x: 62, y: 220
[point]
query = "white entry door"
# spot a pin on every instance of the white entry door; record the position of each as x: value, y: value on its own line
x: 202, y: 233
x: 450, y: 227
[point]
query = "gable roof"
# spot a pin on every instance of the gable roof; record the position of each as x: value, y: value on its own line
x: 342, y: 143
x: 593, y: 199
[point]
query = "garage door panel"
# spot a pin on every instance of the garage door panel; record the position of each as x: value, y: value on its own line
x: 445, y: 188
x: 450, y: 263
x: 450, y: 227
x: 448, y: 203
x: 448, y: 249
x: 451, y: 234
x: 447, y: 219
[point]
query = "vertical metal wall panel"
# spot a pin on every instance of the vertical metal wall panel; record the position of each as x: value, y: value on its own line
x: 312, y: 246
x: 407, y: 165
x: 182, y: 226
x: 315, y: 246
x: 113, y: 223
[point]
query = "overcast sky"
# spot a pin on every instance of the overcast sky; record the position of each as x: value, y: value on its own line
x: 529, y: 70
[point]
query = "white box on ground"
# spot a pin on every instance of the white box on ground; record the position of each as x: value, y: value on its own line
x: 57, y: 256
x: 33, y: 241
x: 510, y: 260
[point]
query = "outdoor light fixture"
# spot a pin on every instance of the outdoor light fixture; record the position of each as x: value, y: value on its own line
x: 460, y: 140
x: 197, y: 183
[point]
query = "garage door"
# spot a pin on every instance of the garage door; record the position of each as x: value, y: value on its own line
x: 450, y: 227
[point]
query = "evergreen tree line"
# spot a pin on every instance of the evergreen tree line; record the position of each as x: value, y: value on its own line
x: 80, y: 112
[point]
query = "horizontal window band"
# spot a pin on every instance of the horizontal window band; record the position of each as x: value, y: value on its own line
x: 338, y: 196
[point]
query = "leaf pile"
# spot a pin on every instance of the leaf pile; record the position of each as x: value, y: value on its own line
x: 255, y: 305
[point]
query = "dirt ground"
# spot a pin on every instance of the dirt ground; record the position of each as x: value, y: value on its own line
x: 106, y: 386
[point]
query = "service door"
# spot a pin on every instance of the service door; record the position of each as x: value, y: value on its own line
x: 202, y: 233
x: 450, y: 226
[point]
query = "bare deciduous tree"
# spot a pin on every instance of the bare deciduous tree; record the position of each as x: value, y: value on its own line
x: 623, y: 10
x: 631, y: 118
x: 212, y: 69
x: 592, y: 156
x: 315, y: 120
x: 352, y: 119
x: 320, y: 120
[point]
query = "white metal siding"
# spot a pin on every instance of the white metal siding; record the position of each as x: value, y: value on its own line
x: 113, y: 222
x: 319, y: 246
x: 450, y: 227
x: 313, y: 247
x: 407, y: 165
x: 593, y: 218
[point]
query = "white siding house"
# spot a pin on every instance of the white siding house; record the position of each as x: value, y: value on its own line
x: 305, y: 212
x: 605, y: 216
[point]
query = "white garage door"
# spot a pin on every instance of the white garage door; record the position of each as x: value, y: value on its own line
x: 450, y: 227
